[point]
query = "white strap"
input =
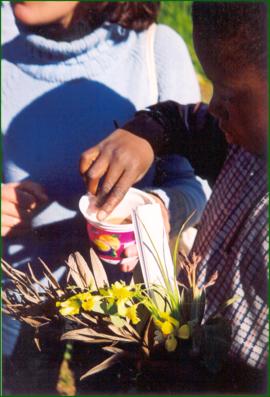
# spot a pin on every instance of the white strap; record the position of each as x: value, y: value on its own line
x: 150, y: 62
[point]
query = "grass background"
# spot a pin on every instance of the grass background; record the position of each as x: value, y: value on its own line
x: 177, y: 15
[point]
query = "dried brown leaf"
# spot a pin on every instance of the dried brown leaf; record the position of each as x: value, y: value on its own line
x: 15, y: 272
x: 104, y: 365
x: 34, y: 277
x: 94, y: 334
x: 147, y: 338
x: 79, y: 271
x: 98, y: 270
x: 90, y: 318
x: 30, y: 321
x: 37, y: 343
x: 120, y: 331
x: 49, y: 275
x: 77, y: 320
x: 26, y: 294
x: 83, y: 338
x: 113, y: 349
x: 132, y: 331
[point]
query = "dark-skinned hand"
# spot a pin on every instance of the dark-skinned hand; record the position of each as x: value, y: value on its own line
x: 121, y: 159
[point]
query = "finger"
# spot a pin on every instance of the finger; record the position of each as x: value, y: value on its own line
x: 19, y: 197
x: 116, y: 195
x: 10, y: 221
x: 14, y: 211
x: 113, y: 175
x: 131, y: 251
x: 100, y: 166
x: 34, y: 189
x: 92, y: 185
x: 128, y: 264
x: 87, y: 159
x: 96, y: 171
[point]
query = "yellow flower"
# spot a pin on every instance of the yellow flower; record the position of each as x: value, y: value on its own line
x: 120, y: 292
x: 167, y: 328
x: 72, y: 306
x: 69, y: 307
x: 131, y: 314
x: 171, y: 343
x: 166, y: 316
x: 82, y: 296
x: 121, y: 308
x: 184, y: 332
x: 88, y: 303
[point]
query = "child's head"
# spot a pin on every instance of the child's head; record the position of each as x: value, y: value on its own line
x: 130, y: 15
x: 231, y: 43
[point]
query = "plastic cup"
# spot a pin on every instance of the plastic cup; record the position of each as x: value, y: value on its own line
x: 110, y: 237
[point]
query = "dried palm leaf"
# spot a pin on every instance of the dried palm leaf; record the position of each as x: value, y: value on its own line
x: 91, y: 319
x: 147, y: 338
x: 100, y: 276
x: 109, y: 362
x: 113, y: 349
x: 89, y: 332
x: 49, y: 275
x: 79, y: 271
x: 120, y: 331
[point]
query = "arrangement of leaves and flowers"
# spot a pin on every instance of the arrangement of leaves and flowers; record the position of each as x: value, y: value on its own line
x: 118, y: 316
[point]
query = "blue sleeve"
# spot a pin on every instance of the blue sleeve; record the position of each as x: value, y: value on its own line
x: 179, y: 189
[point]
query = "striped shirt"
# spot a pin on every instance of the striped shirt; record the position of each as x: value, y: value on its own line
x: 232, y: 235
x: 233, y: 239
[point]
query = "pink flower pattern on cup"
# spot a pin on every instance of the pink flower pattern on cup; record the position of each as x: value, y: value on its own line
x: 108, y: 238
x: 109, y: 246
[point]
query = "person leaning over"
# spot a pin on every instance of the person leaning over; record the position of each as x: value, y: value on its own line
x: 225, y: 142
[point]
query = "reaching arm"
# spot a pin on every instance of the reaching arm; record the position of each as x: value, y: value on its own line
x: 189, y: 130
x: 165, y: 128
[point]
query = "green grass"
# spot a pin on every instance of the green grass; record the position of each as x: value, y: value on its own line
x: 177, y: 15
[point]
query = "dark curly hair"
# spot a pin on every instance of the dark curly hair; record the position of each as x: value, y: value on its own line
x: 237, y: 31
x: 134, y: 15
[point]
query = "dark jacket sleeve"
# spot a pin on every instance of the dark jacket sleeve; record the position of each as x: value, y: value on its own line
x: 188, y: 130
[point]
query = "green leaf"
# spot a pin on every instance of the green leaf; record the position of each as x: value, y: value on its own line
x: 108, y: 308
x: 98, y: 307
x: 197, y: 307
x: 117, y: 321
x: 176, y: 247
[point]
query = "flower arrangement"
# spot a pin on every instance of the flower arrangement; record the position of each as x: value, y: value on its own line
x: 139, y: 321
x: 117, y: 316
